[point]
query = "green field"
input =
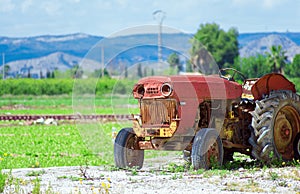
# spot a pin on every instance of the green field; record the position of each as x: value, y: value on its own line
x: 45, y: 146
x: 67, y: 144
x: 72, y: 144
x: 64, y: 105
x: 63, y: 145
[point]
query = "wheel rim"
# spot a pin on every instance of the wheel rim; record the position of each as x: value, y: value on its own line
x: 285, y: 129
x: 213, y: 152
x: 131, y: 152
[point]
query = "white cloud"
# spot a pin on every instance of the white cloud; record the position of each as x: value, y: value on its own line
x: 52, y: 7
x: 6, y: 6
x: 271, y: 3
x: 106, y: 16
x: 266, y: 4
x: 74, y: 1
x: 25, y: 6
x: 240, y: 2
x: 122, y: 3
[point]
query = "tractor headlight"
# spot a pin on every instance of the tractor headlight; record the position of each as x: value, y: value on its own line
x: 166, y: 89
x: 141, y: 90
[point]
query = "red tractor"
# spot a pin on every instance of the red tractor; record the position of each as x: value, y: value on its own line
x: 211, y: 117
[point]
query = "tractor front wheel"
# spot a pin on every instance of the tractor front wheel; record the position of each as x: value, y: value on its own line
x: 207, y: 150
x: 126, y: 150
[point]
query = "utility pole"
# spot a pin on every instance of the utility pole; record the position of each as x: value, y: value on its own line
x: 159, y: 16
x: 3, y: 65
x: 102, y: 61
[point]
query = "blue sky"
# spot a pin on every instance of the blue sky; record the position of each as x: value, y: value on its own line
x: 23, y: 18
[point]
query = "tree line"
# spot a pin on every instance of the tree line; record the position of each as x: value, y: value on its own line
x: 224, y: 48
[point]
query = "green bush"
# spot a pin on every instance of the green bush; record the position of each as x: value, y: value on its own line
x: 296, y: 81
x: 64, y: 86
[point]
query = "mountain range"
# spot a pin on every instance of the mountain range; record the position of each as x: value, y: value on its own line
x: 46, y: 53
x: 262, y: 45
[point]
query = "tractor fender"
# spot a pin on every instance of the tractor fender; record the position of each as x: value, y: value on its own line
x: 271, y: 82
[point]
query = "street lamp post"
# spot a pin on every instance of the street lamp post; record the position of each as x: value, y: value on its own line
x: 159, y: 16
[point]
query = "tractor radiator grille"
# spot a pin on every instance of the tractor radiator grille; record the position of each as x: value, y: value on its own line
x: 158, y: 112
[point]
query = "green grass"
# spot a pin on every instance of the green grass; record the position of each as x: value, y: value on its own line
x: 28, y: 100
x: 83, y: 144
x: 65, y: 145
x: 66, y: 100
x: 64, y: 105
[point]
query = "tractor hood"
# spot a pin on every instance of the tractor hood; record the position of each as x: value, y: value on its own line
x: 188, y: 86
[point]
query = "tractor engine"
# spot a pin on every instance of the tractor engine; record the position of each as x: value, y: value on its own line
x: 236, y: 133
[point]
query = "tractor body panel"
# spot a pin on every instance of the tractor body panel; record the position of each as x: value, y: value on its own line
x: 205, y: 87
x: 271, y: 82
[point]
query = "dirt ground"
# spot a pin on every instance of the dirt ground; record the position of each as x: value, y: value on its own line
x: 154, y: 178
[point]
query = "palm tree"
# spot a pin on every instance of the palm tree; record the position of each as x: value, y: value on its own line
x: 277, y: 59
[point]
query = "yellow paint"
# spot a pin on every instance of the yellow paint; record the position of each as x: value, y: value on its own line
x: 163, y: 132
x: 248, y: 96
x: 231, y: 114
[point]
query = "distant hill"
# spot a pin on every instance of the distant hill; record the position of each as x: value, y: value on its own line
x: 39, y: 46
x: 62, y: 52
x: 245, y: 38
x: 263, y: 44
x: 55, y: 61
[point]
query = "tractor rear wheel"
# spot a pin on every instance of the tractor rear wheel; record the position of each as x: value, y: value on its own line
x: 297, y: 147
x: 207, y: 149
x: 276, y: 126
x: 126, y: 150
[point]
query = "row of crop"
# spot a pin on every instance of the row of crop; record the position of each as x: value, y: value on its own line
x: 64, y: 86
x: 70, y: 86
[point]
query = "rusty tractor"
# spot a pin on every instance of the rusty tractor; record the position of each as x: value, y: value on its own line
x: 209, y: 117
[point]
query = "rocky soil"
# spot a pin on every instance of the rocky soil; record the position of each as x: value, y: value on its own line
x: 154, y: 178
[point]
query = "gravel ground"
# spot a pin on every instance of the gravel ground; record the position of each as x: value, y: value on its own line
x: 154, y: 179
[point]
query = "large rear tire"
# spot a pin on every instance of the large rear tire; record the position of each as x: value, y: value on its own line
x: 207, y: 149
x: 126, y: 150
x: 275, y: 125
x: 297, y: 147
